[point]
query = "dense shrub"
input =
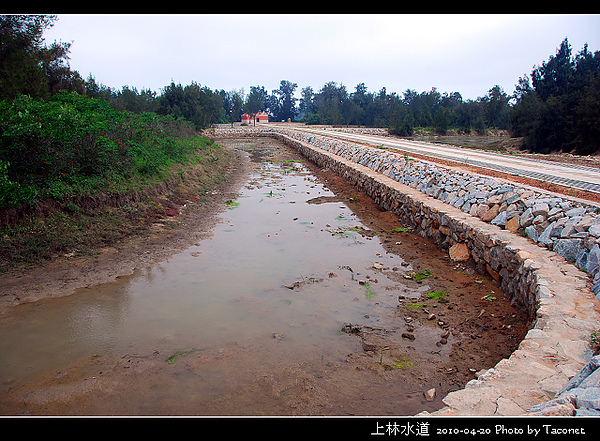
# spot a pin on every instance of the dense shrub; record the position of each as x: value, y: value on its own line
x: 73, y: 145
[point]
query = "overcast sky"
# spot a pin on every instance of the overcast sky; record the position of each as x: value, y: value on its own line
x: 468, y: 54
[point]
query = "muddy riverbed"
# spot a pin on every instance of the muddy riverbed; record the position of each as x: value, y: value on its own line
x: 305, y: 299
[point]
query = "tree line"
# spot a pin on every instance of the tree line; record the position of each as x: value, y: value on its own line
x: 555, y: 108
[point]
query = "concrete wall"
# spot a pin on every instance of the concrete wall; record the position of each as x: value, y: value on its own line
x: 555, y: 293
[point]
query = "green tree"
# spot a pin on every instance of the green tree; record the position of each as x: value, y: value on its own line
x: 129, y: 99
x: 425, y: 117
x: 287, y: 101
x: 100, y: 91
x: 306, y: 103
x: 328, y: 103
x: 350, y: 112
x: 233, y: 103
x: 442, y: 120
x: 587, y: 123
x: 363, y: 100
x: 469, y: 116
x: 554, y: 77
x: 21, y: 46
x: 27, y: 65
x: 495, y: 108
x: 525, y: 112
x: 198, y: 105
x: 559, y: 111
x: 255, y: 101
x: 401, y: 121
x: 380, y: 108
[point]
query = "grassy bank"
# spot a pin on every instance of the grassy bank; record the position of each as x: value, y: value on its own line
x: 103, y: 220
x: 76, y: 176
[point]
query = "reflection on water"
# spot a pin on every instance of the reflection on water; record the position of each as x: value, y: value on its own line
x: 275, y: 266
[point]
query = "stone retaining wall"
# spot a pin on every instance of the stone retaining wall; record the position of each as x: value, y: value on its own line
x: 555, y: 293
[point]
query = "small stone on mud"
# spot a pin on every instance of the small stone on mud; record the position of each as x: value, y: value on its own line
x: 408, y: 336
x: 430, y: 394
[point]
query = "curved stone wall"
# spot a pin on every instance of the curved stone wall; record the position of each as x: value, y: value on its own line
x: 556, y: 294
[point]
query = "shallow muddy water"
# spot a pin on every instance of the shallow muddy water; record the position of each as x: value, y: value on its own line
x: 252, y: 320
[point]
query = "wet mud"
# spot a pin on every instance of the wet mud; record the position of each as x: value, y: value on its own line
x: 430, y: 326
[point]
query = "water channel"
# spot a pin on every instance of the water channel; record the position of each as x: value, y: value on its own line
x: 249, y: 321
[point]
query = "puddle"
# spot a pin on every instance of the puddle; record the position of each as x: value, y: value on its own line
x: 291, y: 306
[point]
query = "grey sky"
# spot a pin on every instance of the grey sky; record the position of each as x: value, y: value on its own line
x: 454, y: 53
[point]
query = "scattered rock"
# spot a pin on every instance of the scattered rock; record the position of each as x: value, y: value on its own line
x: 512, y: 224
x: 482, y: 210
x: 593, y: 262
x: 540, y: 209
x: 568, y: 248
x: 429, y: 394
x: 500, y: 220
x: 532, y: 233
x: 491, y: 213
x: 495, y: 200
x: 526, y: 218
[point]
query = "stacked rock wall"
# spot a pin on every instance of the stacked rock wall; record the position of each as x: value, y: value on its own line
x: 567, y: 226
x: 434, y: 221
x: 555, y: 293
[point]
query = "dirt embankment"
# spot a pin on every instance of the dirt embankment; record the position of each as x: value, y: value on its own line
x: 55, y: 253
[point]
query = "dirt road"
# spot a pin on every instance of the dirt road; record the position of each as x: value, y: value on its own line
x: 568, y: 175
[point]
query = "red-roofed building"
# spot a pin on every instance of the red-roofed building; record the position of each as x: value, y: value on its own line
x: 261, y: 117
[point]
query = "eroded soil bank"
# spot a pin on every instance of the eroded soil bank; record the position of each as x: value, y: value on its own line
x: 454, y: 323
